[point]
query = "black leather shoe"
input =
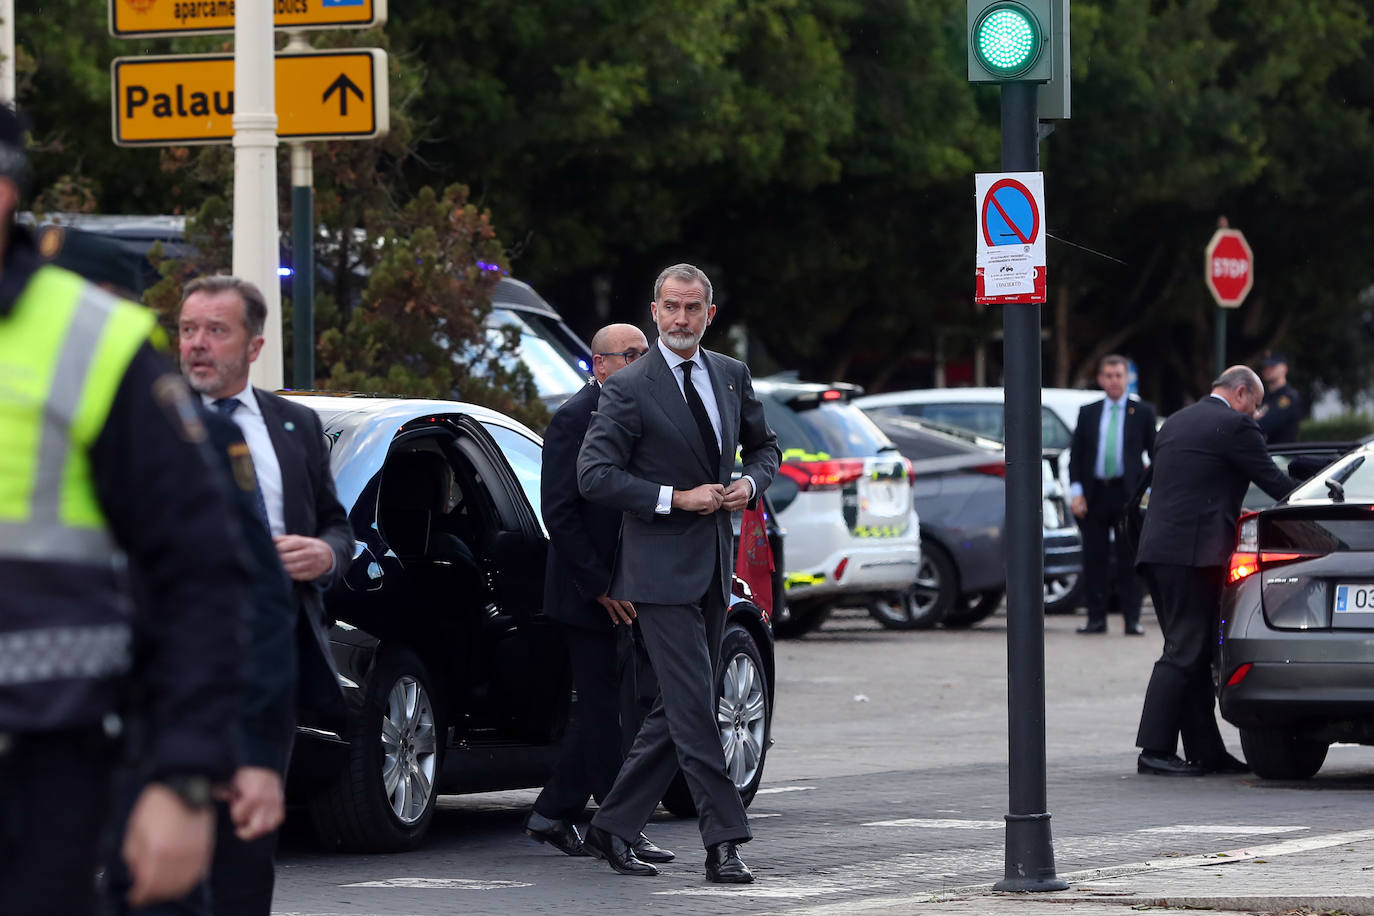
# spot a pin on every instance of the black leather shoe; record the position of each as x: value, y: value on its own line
x: 1223, y: 764
x: 558, y: 834
x: 1160, y: 765
x: 646, y: 851
x: 1134, y: 629
x: 724, y: 866
x: 617, y: 853
x: 1092, y: 628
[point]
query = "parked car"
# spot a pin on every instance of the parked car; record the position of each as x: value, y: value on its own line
x: 980, y: 410
x: 1294, y: 668
x: 959, y: 487
x: 455, y: 680
x: 843, y: 495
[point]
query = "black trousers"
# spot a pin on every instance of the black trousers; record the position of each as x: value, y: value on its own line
x: 1180, y: 700
x: 591, y: 753
x: 241, y: 880
x: 683, y: 641
x: 1106, y: 503
x: 54, y: 796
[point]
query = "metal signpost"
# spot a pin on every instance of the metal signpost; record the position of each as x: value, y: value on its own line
x: 249, y: 100
x: 1229, y: 272
x: 1020, y: 45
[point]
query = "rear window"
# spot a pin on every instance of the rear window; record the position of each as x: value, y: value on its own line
x: 1319, y: 535
x: 838, y: 429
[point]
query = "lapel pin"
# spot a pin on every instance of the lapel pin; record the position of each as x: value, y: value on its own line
x: 730, y: 387
x: 289, y: 426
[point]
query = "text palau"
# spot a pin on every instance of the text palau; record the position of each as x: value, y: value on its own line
x: 181, y: 104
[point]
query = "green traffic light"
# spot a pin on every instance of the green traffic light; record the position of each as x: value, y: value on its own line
x: 1007, y: 39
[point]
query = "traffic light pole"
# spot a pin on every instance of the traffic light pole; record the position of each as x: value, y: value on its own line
x: 1029, y: 862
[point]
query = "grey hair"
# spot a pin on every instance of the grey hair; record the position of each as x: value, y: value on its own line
x: 684, y: 272
x: 254, y: 303
x: 1236, y: 376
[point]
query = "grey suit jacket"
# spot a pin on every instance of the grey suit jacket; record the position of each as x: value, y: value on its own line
x: 642, y: 436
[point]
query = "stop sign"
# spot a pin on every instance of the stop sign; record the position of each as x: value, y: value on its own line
x: 1229, y: 268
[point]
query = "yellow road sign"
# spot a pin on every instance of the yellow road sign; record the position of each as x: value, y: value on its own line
x: 189, y: 99
x: 132, y: 18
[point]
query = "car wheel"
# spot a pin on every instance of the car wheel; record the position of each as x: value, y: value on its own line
x: 929, y: 599
x: 969, y: 609
x: 383, y: 801
x: 743, y: 709
x: 1282, y: 753
x: 800, y: 618
x: 1062, y: 593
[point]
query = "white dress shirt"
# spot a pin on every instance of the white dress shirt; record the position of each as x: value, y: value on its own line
x: 701, y: 381
x: 248, y: 416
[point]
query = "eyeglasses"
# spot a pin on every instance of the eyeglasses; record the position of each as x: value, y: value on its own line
x: 628, y: 355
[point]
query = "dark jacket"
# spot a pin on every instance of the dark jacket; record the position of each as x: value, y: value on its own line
x: 1137, y: 436
x: 1206, y: 456
x: 267, y: 719
x: 582, y: 535
x: 311, y: 508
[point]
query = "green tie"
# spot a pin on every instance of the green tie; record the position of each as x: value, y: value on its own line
x: 1109, y: 456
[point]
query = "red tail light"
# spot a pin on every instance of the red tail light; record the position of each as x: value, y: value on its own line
x: 828, y: 474
x: 1238, y: 675
x: 993, y: 469
x: 1249, y: 559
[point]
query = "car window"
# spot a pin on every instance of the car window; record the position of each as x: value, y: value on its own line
x: 985, y: 419
x: 791, y: 432
x: 526, y: 458
x: 554, y: 367
x: 1053, y: 432
x: 838, y: 429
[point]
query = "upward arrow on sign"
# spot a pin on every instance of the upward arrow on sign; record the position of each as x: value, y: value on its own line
x: 343, y: 86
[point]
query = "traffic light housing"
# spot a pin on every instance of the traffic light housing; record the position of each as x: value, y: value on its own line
x: 1009, y: 41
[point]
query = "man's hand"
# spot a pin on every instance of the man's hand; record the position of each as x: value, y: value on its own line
x: 703, y: 500
x: 620, y: 611
x: 305, y: 558
x: 257, y: 802
x: 1079, y: 506
x: 167, y: 846
x: 737, y: 495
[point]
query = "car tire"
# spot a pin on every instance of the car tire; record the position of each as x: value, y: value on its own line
x: 969, y: 609
x: 383, y: 800
x: 1063, y: 593
x: 1282, y: 753
x: 743, y: 714
x: 927, y: 601
x: 800, y: 618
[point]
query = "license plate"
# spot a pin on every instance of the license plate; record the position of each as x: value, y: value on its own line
x: 883, y: 498
x: 1354, y: 599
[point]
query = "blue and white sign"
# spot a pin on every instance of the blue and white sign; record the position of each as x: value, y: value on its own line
x: 1010, y: 235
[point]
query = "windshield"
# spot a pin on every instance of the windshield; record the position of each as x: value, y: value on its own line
x: 1358, y: 487
x: 556, y: 369
x: 837, y: 429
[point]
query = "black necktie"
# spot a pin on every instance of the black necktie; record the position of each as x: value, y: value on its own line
x: 694, y: 404
x: 226, y: 407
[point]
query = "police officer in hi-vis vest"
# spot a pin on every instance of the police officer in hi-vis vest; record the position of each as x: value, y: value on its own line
x: 103, y: 472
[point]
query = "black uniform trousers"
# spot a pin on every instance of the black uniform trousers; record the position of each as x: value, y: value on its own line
x: 1180, y: 699
x: 591, y: 753
x: 683, y: 642
x: 1106, y: 504
x: 54, y: 794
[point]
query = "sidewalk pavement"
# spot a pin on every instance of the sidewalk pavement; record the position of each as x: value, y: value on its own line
x: 1331, y: 874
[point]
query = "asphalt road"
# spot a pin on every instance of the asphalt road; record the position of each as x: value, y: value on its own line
x: 888, y: 780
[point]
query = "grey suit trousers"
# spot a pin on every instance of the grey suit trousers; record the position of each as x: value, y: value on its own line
x: 683, y: 642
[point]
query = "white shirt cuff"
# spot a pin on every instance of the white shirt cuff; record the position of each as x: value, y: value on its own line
x: 753, y: 487
x: 665, y: 500
x: 1075, y: 490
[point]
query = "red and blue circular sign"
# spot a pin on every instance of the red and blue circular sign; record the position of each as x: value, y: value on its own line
x: 1010, y: 216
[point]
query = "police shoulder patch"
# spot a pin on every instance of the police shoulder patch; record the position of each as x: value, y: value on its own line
x: 50, y: 241
x: 241, y: 460
x: 1285, y: 402
x: 172, y: 395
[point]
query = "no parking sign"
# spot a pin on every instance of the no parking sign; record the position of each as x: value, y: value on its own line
x: 1010, y: 243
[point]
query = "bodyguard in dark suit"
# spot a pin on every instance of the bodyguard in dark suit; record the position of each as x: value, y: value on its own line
x: 577, y: 578
x: 1105, y: 467
x: 660, y: 448
x: 1206, y: 456
x: 220, y: 331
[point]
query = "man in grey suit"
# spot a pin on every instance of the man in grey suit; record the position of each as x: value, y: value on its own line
x: 661, y: 448
x: 1206, y: 456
